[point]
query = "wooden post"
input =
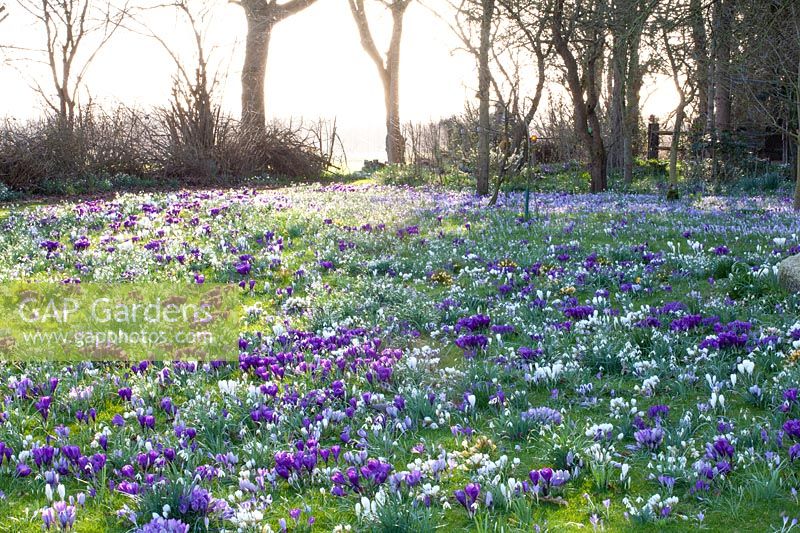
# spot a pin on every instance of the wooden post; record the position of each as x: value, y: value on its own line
x: 652, y: 138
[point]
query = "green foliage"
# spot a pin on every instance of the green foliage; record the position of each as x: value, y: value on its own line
x: 396, y: 515
x: 416, y: 176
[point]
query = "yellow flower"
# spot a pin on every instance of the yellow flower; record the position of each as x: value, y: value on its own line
x: 507, y: 263
x: 793, y: 357
x: 442, y: 277
x: 484, y: 444
x: 568, y: 290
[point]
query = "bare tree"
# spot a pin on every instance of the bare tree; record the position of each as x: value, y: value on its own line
x: 479, y: 16
x: 628, y: 19
x: 702, y: 63
x: 388, y: 69
x: 526, y: 33
x: 484, y: 81
x: 262, y: 16
x: 505, y: 38
x: 192, y: 122
x: 723, y: 20
x: 578, y: 33
x: 677, y: 26
x: 715, y: 22
x: 75, y: 33
x: 770, y: 72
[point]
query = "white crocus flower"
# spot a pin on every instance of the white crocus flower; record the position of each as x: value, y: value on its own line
x: 746, y: 367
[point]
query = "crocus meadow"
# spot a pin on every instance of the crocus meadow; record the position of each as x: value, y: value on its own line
x: 409, y: 359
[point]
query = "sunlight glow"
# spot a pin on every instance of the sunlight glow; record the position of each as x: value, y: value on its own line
x: 317, y: 69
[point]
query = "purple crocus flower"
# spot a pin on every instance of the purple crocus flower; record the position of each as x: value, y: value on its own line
x: 130, y: 488
x: 147, y: 421
x: 792, y: 428
x: 43, y: 406
x: 657, y: 412
x: 461, y: 497
x: 794, y: 452
x: 41, y: 456
x: 473, y: 323
x: 23, y: 470
x: 720, y: 449
x: 50, y: 246
x: 472, y: 490
x: 468, y: 497
x: 243, y: 268
x: 81, y: 243
x: 579, y: 312
x: 5, y: 452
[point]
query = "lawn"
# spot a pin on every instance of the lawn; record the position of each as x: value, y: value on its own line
x: 408, y: 360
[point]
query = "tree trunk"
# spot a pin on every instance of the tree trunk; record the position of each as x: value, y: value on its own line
x: 259, y: 31
x: 627, y: 151
x: 597, y: 151
x: 630, y: 122
x: 680, y: 114
x: 484, y: 80
x: 395, y: 143
x: 597, y: 162
x: 722, y: 60
x: 796, y: 203
x: 700, y: 52
x: 616, y: 150
x: 389, y: 71
x: 587, y: 123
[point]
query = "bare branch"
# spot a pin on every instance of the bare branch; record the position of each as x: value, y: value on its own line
x: 367, y: 41
x: 75, y: 31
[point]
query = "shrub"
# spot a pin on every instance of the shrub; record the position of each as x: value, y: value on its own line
x: 46, y: 155
x: 128, y: 148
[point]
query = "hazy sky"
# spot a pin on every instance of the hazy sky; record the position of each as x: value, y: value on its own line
x: 317, y: 68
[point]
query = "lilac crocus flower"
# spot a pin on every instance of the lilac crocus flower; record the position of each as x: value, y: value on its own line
x: 65, y: 514
x: 48, y: 517
x: 163, y: 525
x: 649, y: 438
x: 542, y: 415
x: 546, y: 479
